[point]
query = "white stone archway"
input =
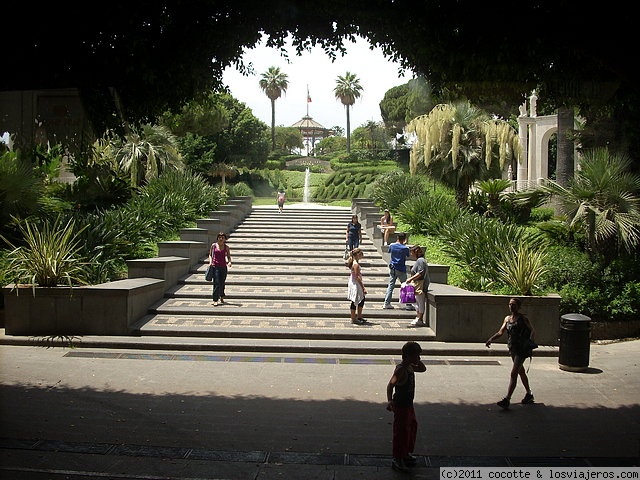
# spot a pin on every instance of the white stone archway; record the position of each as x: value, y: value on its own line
x: 534, y: 133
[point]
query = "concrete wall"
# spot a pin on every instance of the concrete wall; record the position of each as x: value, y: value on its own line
x: 104, y: 309
x: 457, y: 315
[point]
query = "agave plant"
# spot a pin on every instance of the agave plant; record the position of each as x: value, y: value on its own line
x: 523, y: 266
x: 49, y: 257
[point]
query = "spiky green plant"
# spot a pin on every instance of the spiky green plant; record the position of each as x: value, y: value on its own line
x: 523, y: 266
x: 49, y: 256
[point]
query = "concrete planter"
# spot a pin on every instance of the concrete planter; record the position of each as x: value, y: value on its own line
x: 615, y: 330
x: 105, y: 309
x: 457, y: 315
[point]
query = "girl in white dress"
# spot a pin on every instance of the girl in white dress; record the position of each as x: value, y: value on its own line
x: 356, y: 291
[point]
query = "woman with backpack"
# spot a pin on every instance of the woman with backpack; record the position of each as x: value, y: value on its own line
x: 520, y: 340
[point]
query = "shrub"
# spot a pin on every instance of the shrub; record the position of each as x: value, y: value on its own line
x: 429, y: 212
x: 480, y: 243
x: 50, y: 254
x: 240, y: 189
x: 566, y: 265
x: 391, y: 189
x: 522, y: 267
x: 626, y: 305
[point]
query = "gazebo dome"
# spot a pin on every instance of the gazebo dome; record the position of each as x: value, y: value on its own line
x: 311, y: 131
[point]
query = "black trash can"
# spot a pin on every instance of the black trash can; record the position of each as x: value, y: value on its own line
x: 575, y: 335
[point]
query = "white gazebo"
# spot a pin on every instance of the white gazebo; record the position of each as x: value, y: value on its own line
x: 311, y: 132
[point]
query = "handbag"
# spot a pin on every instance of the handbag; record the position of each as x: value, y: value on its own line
x: 407, y: 293
x: 208, y: 276
x: 418, y: 285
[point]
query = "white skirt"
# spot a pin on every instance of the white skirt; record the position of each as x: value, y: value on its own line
x: 354, y: 291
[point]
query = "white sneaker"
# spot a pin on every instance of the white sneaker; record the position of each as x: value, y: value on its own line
x: 387, y: 306
x: 416, y: 323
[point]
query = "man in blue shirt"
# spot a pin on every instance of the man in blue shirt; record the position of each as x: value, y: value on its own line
x: 399, y: 252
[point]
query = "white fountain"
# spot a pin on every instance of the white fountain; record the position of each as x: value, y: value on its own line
x: 305, y: 194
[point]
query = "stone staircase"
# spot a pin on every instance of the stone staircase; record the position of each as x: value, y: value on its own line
x: 286, y: 291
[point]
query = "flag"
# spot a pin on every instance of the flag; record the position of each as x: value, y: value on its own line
x: 308, y: 96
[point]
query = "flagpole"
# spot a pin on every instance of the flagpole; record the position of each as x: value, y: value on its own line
x: 308, y: 97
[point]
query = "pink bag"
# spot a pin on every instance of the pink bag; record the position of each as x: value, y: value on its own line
x: 407, y: 293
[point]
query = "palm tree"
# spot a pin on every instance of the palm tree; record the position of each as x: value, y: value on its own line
x: 147, y: 153
x: 494, y: 188
x: 223, y: 171
x: 273, y: 83
x: 347, y: 89
x: 603, y: 200
x: 461, y: 144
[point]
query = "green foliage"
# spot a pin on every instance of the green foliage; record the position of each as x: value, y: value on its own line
x: 568, y: 265
x: 626, y: 305
x: 393, y: 188
x: 429, y: 212
x: 240, y: 189
x: 198, y: 152
x: 185, y: 188
x: 288, y: 139
x: 21, y: 190
x: 435, y: 253
x: 244, y: 143
x: 371, y: 137
x: 103, y: 240
x: 602, y: 200
x: 541, y: 214
x: 405, y: 102
x: 199, y: 117
x: 49, y: 255
x: 522, y: 267
x: 331, y: 145
x: 147, y: 152
x: 483, y: 245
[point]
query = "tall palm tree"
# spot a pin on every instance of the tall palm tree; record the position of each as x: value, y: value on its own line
x: 273, y: 83
x: 347, y: 89
x: 462, y: 144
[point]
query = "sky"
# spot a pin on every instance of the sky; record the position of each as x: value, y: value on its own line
x: 316, y: 71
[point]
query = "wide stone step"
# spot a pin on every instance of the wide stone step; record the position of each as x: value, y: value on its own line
x: 263, y: 278
x: 306, y: 273
x: 244, y: 344
x: 335, y: 291
x: 274, y: 308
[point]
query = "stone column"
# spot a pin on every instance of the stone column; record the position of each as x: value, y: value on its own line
x: 521, y: 177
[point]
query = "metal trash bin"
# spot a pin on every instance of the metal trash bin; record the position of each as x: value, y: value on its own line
x: 575, y: 335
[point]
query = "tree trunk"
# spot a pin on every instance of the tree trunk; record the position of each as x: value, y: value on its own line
x: 273, y: 124
x: 348, y: 131
x: 565, y: 161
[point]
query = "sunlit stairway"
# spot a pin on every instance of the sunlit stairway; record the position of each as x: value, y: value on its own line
x: 286, y: 292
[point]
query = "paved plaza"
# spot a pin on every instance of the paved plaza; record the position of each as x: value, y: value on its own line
x: 136, y: 414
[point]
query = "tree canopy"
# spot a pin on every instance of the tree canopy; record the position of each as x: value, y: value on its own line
x: 157, y: 55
